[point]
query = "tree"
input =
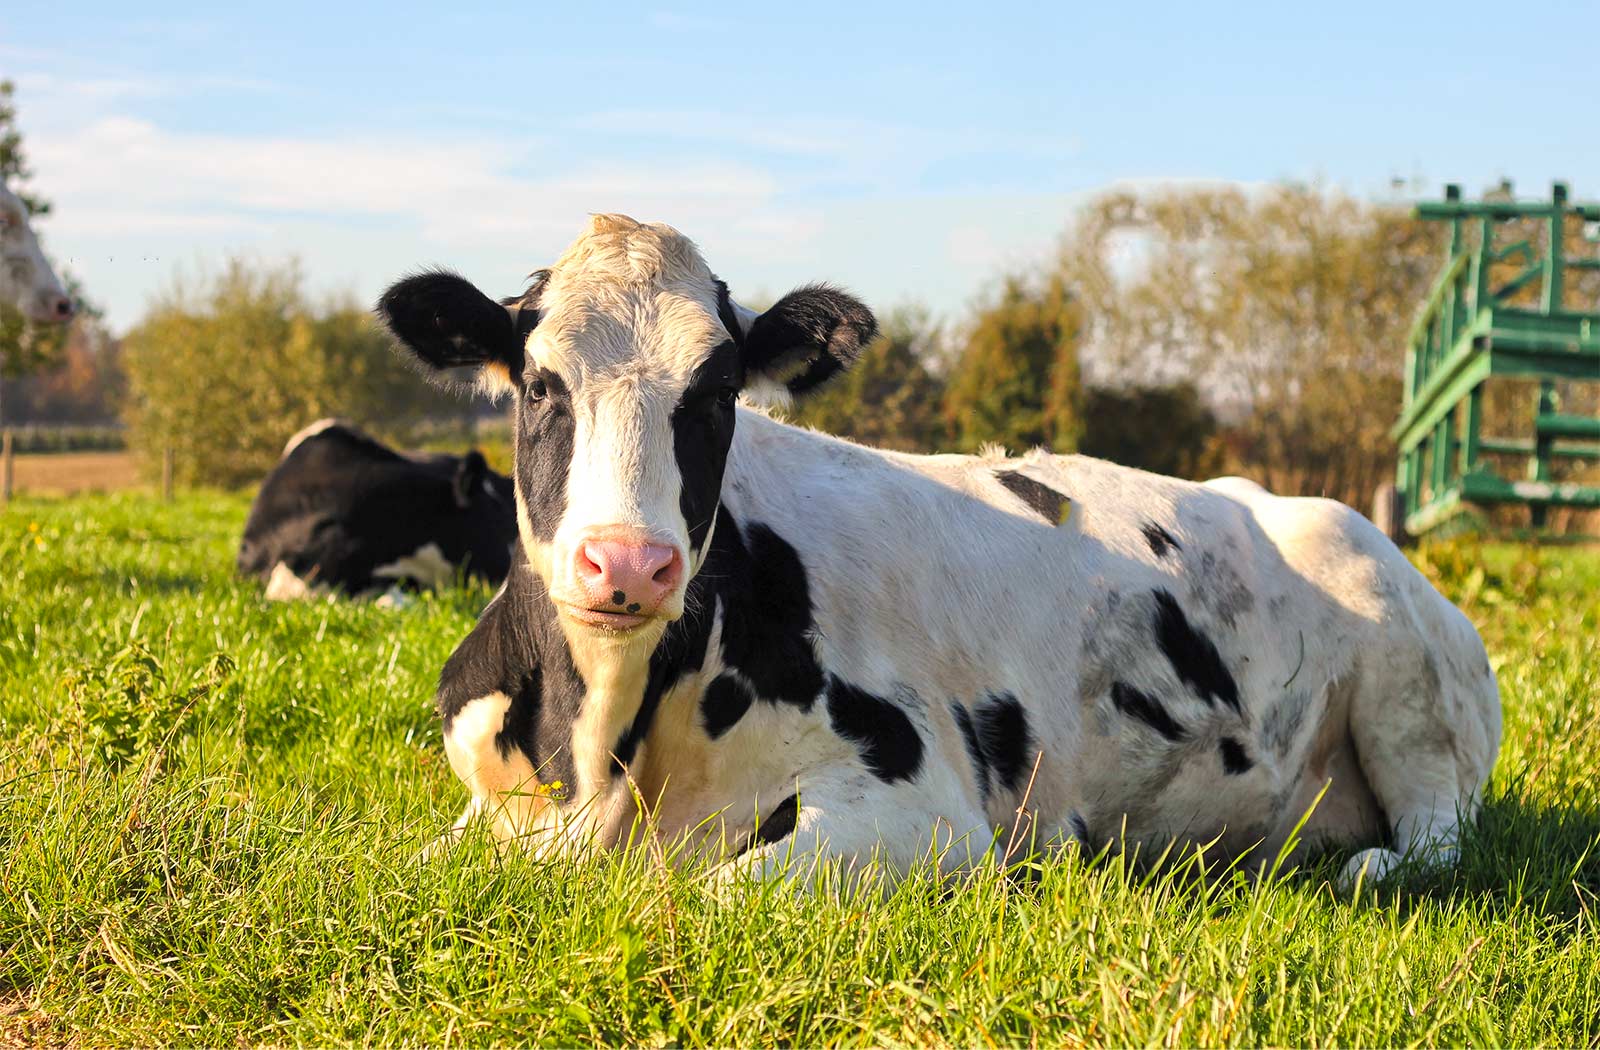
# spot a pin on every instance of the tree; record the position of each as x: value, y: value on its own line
x: 224, y: 370
x: 24, y: 347
x: 890, y: 397
x: 1164, y: 429
x: 1287, y: 308
x: 14, y: 168
x: 1015, y: 381
x: 84, y: 386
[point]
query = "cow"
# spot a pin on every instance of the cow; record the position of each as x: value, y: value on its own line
x: 27, y: 283
x: 795, y: 653
x: 343, y: 513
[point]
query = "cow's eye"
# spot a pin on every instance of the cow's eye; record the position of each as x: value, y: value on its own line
x: 727, y: 396
x: 536, y: 389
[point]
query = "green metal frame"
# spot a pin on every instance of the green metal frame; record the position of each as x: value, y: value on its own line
x: 1468, y: 332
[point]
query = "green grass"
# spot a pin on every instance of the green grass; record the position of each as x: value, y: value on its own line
x: 210, y: 809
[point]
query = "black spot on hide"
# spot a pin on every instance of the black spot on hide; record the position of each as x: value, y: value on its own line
x: 1160, y: 540
x: 1145, y: 708
x: 1192, y: 655
x: 1041, y: 498
x: 969, y: 736
x: 725, y: 701
x: 1234, y: 760
x: 1004, y: 737
x: 885, y: 737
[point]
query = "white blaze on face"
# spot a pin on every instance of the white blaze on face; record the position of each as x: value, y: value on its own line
x: 27, y: 282
x: 626, y: 318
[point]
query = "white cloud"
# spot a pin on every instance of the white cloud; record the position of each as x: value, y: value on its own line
x: 125, y: 187
x: 773, y: 205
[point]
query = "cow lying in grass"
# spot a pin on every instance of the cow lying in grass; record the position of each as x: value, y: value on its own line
x: 27, y: 283
x: 810, y: 649
x: 343, y: 513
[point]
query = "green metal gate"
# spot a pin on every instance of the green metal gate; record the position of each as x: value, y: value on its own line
x: 1469, y: 333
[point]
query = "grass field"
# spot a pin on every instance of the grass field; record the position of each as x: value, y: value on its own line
x: 210, y: 809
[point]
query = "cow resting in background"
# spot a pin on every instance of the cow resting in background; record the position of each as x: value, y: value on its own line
x: 341, y: 512
x: 26, y: 280
x: 800, y: 648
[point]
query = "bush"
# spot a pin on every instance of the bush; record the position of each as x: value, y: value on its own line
x: 1164, y: 429
x: 890, y: 397
x: 1014, y: 382
x: 226, y: 370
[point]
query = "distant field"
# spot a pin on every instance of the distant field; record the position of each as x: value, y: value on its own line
x: 210, y: 810
x: 67, y: 473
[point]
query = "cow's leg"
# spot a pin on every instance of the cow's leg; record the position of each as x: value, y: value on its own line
x: 1426, y: 750
x: 504, y: 789
x: 855, y: 821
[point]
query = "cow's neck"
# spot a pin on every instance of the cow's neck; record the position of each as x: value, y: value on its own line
x: 615, y: 674
x: 623, y: 685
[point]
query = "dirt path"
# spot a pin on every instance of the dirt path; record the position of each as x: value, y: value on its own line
x: 72, y: 472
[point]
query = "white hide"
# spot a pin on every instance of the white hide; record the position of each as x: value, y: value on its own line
x: 934, y: 585
x: 933, y: 582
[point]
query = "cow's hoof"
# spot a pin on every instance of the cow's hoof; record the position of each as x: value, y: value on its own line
x: 1370, y: 866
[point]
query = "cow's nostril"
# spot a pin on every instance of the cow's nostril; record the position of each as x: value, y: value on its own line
x: 667, y: 572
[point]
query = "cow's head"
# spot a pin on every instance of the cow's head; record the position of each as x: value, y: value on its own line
x: 625, y: 359
x: 26, y: 280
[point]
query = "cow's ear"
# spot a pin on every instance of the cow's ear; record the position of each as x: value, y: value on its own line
x: 470, y: 474
x: 806, y: 338
x: 454, y: 331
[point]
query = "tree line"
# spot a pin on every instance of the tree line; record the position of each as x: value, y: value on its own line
x: 1189, y: 331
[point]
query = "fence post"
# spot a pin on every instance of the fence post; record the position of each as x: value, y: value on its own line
x: 7, y: 454
x: 166, y: 473
x: 1554, y: 249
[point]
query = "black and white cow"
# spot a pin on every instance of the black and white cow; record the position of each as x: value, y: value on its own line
x: 27, y: 281
x: 342, y: 512
x: 804, y: 648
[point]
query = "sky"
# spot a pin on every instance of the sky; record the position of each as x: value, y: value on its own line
x: 909, y: 151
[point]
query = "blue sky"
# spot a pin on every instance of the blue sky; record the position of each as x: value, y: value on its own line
x: 910, y: 151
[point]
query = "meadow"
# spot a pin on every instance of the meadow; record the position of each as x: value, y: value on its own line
x: 211, y: 809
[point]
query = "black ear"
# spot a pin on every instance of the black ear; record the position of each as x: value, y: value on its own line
x: 470, y: 473
x: 446, y: 323
x: 807, y: 337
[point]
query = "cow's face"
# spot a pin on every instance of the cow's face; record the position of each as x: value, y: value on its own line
x: 26, y: 280
x: 625, y: 360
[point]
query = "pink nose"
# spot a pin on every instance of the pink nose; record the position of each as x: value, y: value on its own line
x: 627, y: 577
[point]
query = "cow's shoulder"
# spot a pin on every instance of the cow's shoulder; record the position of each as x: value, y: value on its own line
x: 515, y: 665
x: 506, y: 651
x: 483, y: 663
